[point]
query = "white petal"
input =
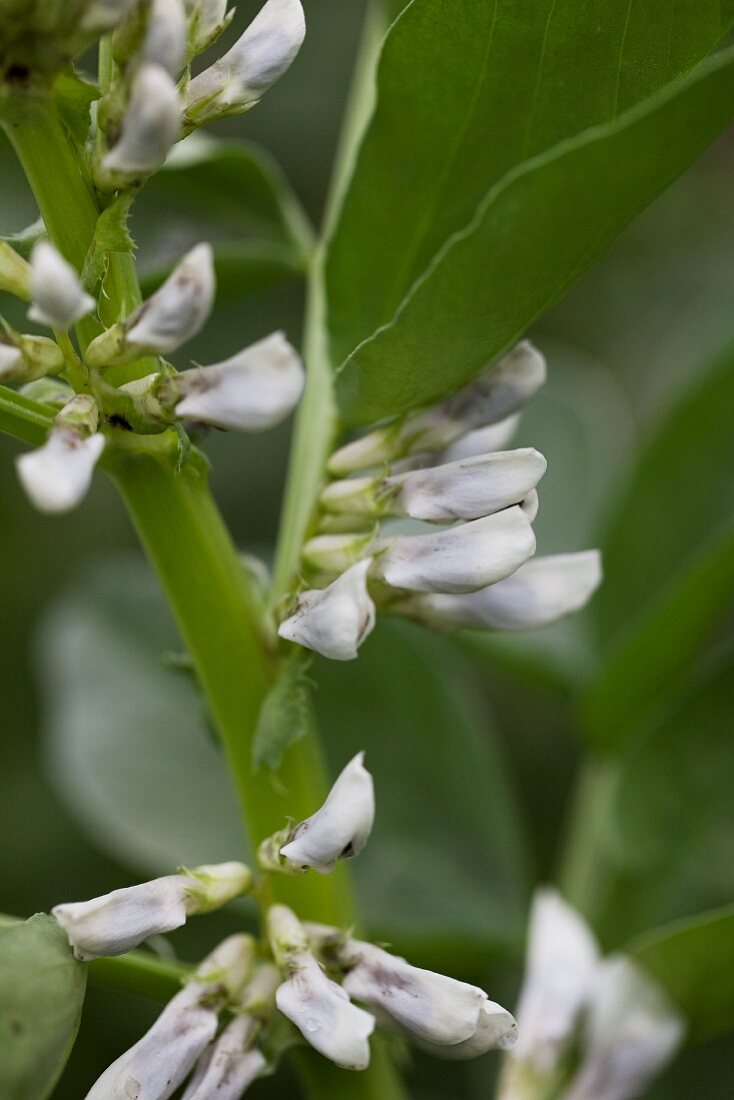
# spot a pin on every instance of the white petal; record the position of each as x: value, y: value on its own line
x: 260, y: 57
x: 324, y: 1015
x: 10, y: 358
x: 159, y: 1062
x: 334, y: 621
x: 460, y: 559
x: 252, y: 391
x: 58, y: 297
x: 151, y: 125
x: 116, y: 922
x: 561, y: 960
x: 165, y: 36
x: 57, y: 476
x: 341, y: 827
x: 492, y: 437
x: 178, y: 309
x: 538, y: 594
x: 228, y: 1068
x: 496, y: 1030
x: 633, y: 1032
x: 467, y: 489
x: 104, y: 15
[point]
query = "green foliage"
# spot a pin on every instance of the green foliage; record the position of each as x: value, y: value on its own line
x: 284, y: 715
x: 694, y: 961
x: 111, y: 234
x: 24, y: 239
x: 73, y: 98
x: 259, y: 232
x: 531, y: 237
x: 41, y: 997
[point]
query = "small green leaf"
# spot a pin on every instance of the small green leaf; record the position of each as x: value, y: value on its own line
x: 694, y: 961
x: 111, y: 234
x: 74, y: 97
x: 41, y: 996
x: 24, y: 240
x: 284, y: 715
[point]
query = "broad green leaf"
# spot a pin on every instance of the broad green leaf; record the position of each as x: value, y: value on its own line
x: 283, y: 716
x: 41, y: 996
x: 466, y: 92
x: 665, y: 829
x: 445, y: 866
x: 694, y: 961
x: 127, y: 741
x: 232, y: 194
x: 530, y: 239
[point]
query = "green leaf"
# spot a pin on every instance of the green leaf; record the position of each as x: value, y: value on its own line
x: 41, y: 997
x: 234, y: 195
x: 530, y: 239
x: 73, y: 98
x: 24, y: 240
x: 111, y: 234
x: 127, y: 740
x: 284, y: 715
x: 694, y: 961
x: 445, y: 871
x: 467, y: 92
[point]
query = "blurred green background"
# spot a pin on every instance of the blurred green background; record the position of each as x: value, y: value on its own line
x: 643, y: 332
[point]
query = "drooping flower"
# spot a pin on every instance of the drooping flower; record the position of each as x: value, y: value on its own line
x: 57, y: 475
x: 262, y: 54
x: 59, y: 300
x: 165, y: 35
x: 341, y: 827
x: 252, y: 391
x: 227, y: 1069
x: 151, y: 126
x: 114, y: 923
x: 334, y: 621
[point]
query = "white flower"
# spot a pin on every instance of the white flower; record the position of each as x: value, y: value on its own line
x: 497, y: 393
x: 161, y: 1061
x: 459, y: 559
x: 11, y: 358
x: 151, y: 125
x: 114, y: 923
x: 254, y: 390
x: 228, y: 1068
x: 324, y: 1015
x: 208, y: 18
x: 454, y: 1019
x: 334, y: 621
x: 492, y: 437
x: 561, y: 960
x: 165, y: 35
x: 341, y: 828
x: 632, y: 1033
x: 104, y: 15
x: 59, y: 300
x: 467, y: 489
x: 260, y: 57
x: 58, y: 474
x: 538, y: 594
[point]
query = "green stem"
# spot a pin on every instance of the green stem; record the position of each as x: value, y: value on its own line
x: 23, y: 418
x: 585, y: 875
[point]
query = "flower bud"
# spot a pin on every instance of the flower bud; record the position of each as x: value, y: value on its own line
x: 116, y: 922
x: 632, y: 1033
x: 165, y: 36
x: 341, y: 828
x: 539, y: 593
x: 161, y: 1061
x: 316, y: 1005
x: 237, y: 81
x: 230, y: 1066
x: 26, y: 358
x: 330, y: 554
x: 59, y: 300
x: 207, y: 20
x: 493, y: 437
x: 334, y: 621
x: 15, y: 272
x: 227, y: 969
x: 467, y: 489
x: 252, y: 391
x: 152, y: 124
x: 56, y: 477
x: 170, y: 317
x: 499, y: 391
x: 458, y: 559
x: 455, y: 1019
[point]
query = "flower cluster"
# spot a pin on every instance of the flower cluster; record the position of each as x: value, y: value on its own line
x: 250, y: 1000
x: 591, y: 1028
x: 150, y: 103
x: 441, y: 465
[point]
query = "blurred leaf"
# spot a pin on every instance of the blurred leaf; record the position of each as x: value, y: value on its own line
x: 694, y: 961
x: 532, y: 236
x: 283, y: 716
x: 233, y: 195
x: 24, y: 240
x: 127, y: 740
x: 445, y: 868
x: 456, y: 120
x: 666, y: 823
x: 41, y: 997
